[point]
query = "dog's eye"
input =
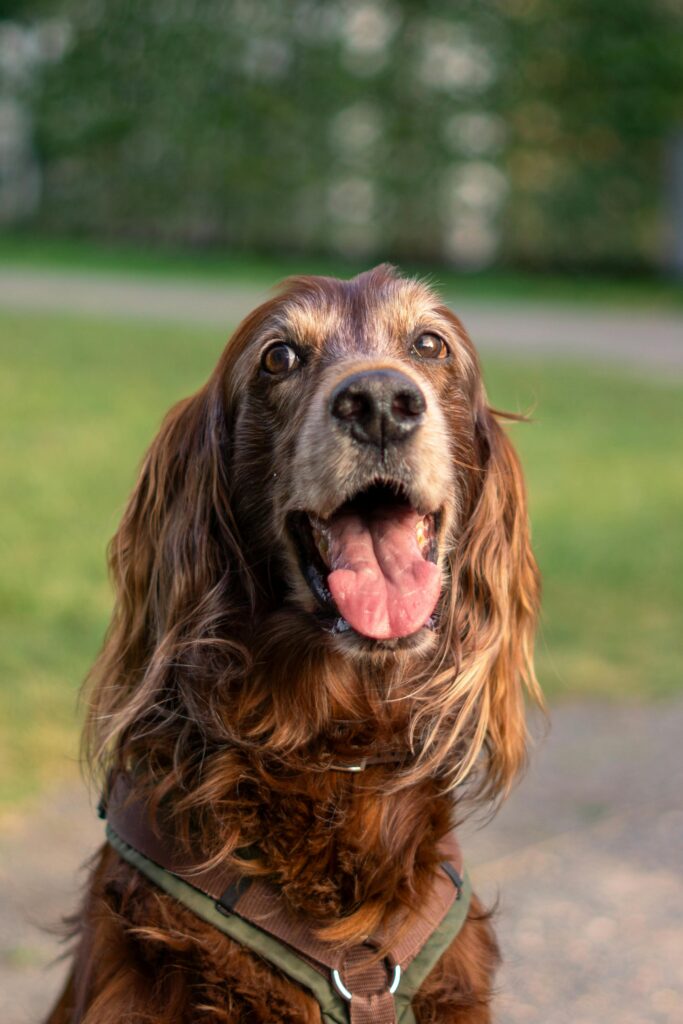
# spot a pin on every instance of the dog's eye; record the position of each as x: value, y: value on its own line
x: 279, y: 359
x: 429, y: 346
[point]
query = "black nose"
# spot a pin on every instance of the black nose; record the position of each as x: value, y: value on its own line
x: 378, y: 407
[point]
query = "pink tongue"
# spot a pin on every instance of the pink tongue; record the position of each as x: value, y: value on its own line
x: 380, y: 582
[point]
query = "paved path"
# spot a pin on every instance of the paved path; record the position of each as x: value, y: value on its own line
x: 649, y: 339
x: 586, y: 859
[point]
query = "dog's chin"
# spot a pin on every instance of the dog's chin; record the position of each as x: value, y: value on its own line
x: 354, y: 645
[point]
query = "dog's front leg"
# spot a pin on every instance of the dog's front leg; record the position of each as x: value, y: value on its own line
x: 242, y: 990
x: 141, y: 958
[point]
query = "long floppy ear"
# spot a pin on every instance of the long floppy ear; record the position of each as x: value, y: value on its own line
x: 497, y: 591
x: 176, y: 566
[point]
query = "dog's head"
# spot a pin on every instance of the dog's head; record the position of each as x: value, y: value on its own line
x: 341, y: 469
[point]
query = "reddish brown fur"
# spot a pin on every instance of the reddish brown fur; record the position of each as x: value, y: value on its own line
x: 217, y: 684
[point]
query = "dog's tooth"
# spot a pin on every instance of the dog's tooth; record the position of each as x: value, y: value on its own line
x: 324, y: 548
x: 321, y: 541
x: 424, y: 533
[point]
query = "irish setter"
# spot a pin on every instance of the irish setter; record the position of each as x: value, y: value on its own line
x: 326, y: 553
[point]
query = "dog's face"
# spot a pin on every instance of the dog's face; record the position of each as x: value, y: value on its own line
x: 353, y: 440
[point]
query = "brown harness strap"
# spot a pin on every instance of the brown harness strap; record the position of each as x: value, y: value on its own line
x: 366, y: 981
x: 366, y: 978
x: 129, y: 816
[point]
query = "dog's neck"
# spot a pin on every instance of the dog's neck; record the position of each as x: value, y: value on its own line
x: 343, y: 846
x: 340, y: 847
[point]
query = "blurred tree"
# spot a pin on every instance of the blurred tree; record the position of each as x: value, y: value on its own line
x: 595, y: 93
x: 463, y: 130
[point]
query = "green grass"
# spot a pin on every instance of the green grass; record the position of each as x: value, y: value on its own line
x: 238, y: 268
x: 605, y: 479
x: 80, y: 400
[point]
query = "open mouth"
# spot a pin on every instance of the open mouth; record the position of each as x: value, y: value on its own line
x: 372, y: 564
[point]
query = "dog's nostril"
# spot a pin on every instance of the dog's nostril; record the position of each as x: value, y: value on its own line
x: 407, y: 404
x: 351, y: 406
x: 378, y: 407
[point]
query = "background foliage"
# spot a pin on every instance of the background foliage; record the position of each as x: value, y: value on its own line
x: 255, y: 138
x: 528, y: 131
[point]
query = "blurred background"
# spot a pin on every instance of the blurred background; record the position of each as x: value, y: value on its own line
x: 161, y: 167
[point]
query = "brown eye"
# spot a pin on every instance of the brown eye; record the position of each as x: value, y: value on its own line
x: 279, y: 359
x: 429, y: 346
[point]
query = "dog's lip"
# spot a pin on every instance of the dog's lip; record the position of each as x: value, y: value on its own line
x: 340, y: 627
x: 307, y: 531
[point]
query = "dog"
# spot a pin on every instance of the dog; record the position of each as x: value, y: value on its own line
x: 321, y: 642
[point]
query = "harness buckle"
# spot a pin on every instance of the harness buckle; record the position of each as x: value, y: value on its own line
x: 343, y: 990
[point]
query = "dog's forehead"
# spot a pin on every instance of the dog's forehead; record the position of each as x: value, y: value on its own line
x: 360, y: 314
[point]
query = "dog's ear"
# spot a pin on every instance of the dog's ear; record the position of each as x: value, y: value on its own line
x: 496, y: 592
x: 178, y: 575
x: 183, y: 590
x: 177, y: 539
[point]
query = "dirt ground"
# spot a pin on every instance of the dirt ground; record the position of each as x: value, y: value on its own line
x: 585, y: 860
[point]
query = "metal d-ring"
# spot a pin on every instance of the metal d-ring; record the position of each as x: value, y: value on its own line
x: 343, y: 990
x: 360, y: 766
x: 396, y: 979
x: 340, y: 986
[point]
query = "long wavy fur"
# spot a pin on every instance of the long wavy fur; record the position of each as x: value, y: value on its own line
x: 224, y: 699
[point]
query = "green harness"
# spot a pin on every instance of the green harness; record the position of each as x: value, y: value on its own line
x: 301, y: 956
